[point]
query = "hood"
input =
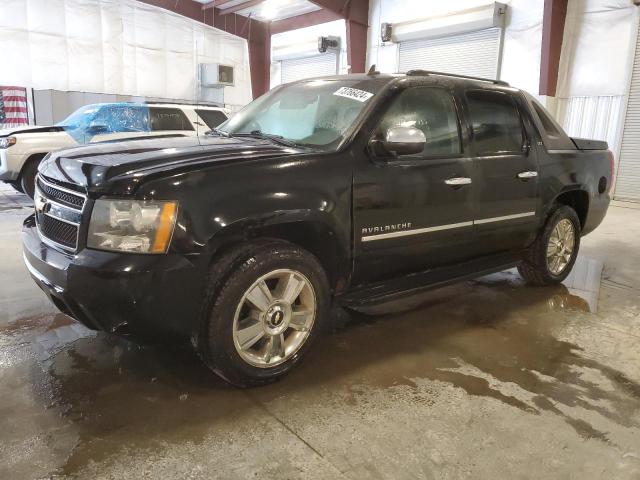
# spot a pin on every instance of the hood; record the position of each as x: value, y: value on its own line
x: 98, y: 166
x: 5, y: 132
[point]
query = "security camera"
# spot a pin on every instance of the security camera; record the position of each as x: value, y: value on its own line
x: 328, y: 43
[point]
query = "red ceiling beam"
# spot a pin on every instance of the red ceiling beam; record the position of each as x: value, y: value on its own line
x: 213, y: 4
x: 241, y: 6
x: 305, y: 20
x: 354, y: 10
x: 555, y: 13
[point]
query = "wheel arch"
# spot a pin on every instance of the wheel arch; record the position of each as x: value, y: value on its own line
x: 38, y: 156
x: 314, y: 235
x: 578, y: 199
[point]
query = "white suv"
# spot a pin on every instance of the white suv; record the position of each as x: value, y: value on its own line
x: 22, y: 149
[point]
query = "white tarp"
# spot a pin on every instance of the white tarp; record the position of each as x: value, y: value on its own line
x: 595, y: 66
x: 596, y: 52
x: 114, y: 46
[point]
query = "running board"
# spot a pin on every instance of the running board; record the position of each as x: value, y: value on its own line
x: 414, y: 283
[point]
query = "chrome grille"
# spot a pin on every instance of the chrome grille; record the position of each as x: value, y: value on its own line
x: 62, y: 233
x: 58, y: 214
x: 59, y: 195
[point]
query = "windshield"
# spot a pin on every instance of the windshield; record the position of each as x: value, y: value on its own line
x: 317, y: 113
x: 80, y: 118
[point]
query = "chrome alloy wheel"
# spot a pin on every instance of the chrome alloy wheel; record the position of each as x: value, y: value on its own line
x: 562, y: 242
x: 274, y: 318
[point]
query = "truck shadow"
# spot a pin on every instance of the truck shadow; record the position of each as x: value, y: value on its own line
x: 493, y: 338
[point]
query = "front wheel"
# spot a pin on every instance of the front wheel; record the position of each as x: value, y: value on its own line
x: 28, y: 176
x: 271, y: 301
x: 551, y: 257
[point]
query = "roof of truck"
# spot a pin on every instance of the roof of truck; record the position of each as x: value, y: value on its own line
x: 410, y: 74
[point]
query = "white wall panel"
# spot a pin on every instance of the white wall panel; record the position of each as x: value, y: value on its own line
x: 114, y: 46
x: 597, y: 39
x: 597, y: 118
x: 628, y: 173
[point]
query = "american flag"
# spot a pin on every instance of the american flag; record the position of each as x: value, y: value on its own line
x: 13, y: 107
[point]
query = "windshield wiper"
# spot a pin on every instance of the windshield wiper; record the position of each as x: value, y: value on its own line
x: 220, y: 133
x: 279, y: 139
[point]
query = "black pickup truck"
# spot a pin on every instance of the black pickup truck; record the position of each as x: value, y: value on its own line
x: 346, y: 189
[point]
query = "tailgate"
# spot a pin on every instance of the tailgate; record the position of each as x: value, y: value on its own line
x: 586, y: 144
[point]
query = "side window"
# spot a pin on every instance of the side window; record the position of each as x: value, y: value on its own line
x: 212, y: 118
x: 495, y: 122
x: 552, y: 134
x: 121, y: 118
x: 431, y: 110
x: 168, y: 119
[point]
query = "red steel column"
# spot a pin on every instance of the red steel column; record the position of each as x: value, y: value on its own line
x: 260, y: 59
x: 555, y: 13
x: 356, y: 46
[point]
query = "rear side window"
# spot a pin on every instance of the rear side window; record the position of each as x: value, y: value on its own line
x: 547, y: 124
x: 495, y: 122
x: 168, y: 119
x: 431, y: 110
x: 552, y: 134
x: 212, y: 118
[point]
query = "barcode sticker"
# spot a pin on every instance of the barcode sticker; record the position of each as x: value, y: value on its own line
x: 354, y: 94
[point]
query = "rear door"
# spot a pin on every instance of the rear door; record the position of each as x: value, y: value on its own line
x: 505, y: 171
x: 414, y: 212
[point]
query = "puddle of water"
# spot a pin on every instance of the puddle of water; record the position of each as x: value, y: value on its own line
x: 493, y: 337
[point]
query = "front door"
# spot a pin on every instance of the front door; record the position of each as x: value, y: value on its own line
x: 505, y: 172
x: 414, y: 212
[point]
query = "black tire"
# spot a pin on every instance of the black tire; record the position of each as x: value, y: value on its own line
x: 230, y: 277
x: 28, y: 176
x: 534, y: 268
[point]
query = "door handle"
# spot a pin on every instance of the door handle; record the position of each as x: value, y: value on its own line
x: 527, y: 175
x: 458, y: 181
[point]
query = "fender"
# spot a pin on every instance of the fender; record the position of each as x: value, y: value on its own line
x: 305, y: 199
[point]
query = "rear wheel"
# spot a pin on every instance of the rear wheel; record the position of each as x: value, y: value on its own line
x: 267, y: 307
x: 552, y: 256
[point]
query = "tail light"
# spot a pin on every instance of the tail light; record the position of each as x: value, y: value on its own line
x: 612, y: 165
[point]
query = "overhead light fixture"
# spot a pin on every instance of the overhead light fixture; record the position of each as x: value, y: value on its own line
x: 271, y: 8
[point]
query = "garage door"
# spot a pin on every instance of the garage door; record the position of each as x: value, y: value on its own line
x: 308, y: 67
x: 628, y: 179
x: 474, y: 53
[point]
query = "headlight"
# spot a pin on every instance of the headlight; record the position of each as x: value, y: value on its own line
x: 137, y: 226
x: 6, y: 142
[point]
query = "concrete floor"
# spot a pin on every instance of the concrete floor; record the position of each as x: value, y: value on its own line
x: 485, y: 379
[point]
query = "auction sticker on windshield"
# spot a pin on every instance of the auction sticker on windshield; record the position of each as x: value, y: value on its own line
x: 353, y: 93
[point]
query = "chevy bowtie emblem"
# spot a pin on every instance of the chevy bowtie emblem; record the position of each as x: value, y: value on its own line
x: 41, y: 204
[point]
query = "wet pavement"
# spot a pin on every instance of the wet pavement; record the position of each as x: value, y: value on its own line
x: 484, y: 379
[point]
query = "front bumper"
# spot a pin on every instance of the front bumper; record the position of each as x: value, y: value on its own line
x: 122, y: 293
x: 9, y: 166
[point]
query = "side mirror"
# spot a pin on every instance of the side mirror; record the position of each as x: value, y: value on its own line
x: 97, y: 128
x: 404, y: 140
